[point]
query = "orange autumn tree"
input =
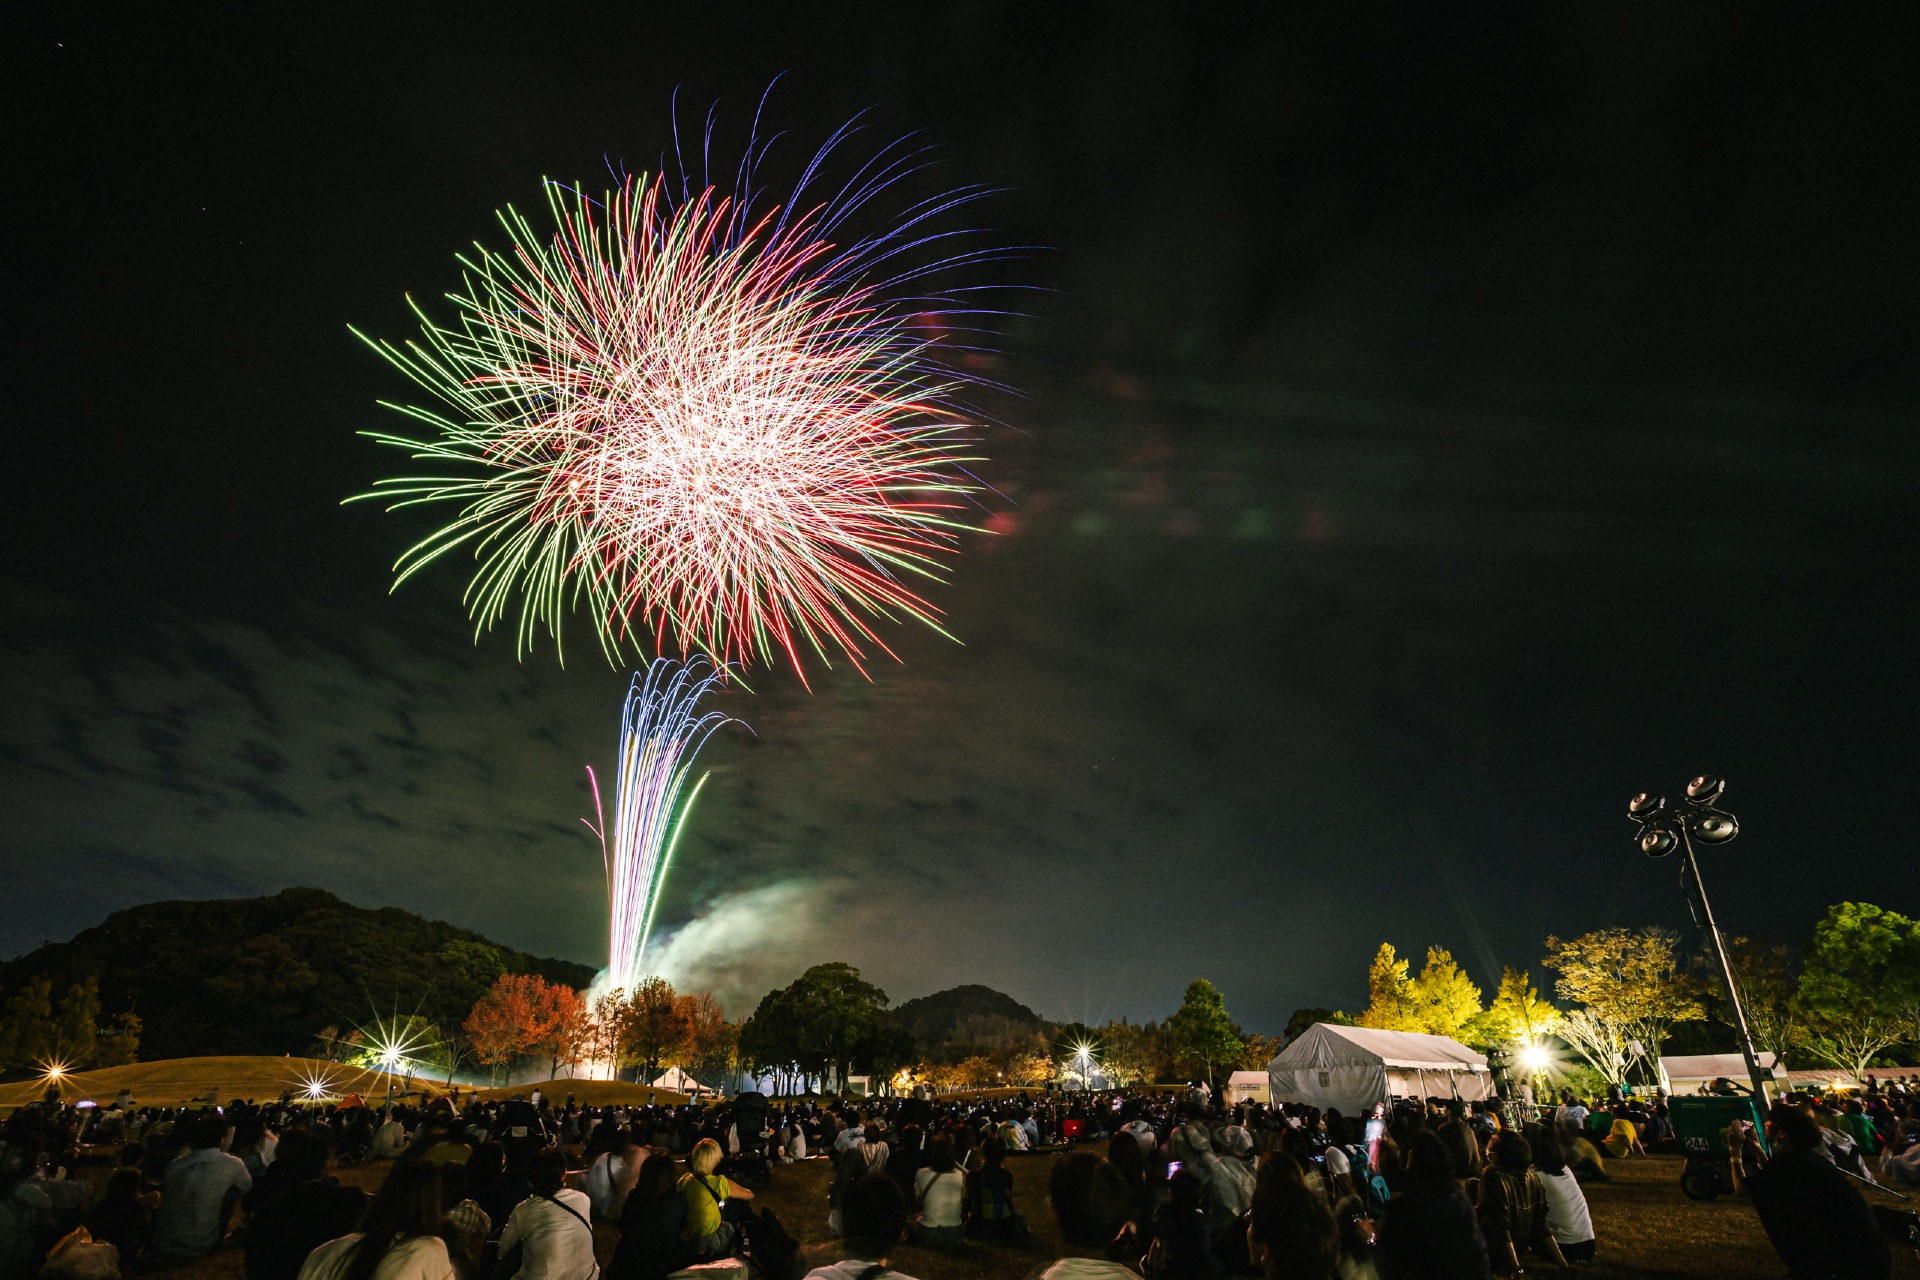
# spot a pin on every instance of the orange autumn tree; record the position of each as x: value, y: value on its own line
x: 518, y: 1015
x: 573, y: 1033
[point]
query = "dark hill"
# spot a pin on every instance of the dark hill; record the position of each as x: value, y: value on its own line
x: 938, y: 1018
x: 266, y: 975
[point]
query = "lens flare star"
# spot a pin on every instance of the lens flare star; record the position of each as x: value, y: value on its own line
x: 709, y: 422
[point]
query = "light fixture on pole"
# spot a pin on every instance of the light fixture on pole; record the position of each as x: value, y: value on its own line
x: 1665, y: 829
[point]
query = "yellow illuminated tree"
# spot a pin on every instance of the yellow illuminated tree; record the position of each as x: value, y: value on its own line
x: 1392, y: 1005
x: 1445, y: 999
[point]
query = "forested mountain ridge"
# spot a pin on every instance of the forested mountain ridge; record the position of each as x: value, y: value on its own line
x: 940, y: 1017
x: 268, y: 975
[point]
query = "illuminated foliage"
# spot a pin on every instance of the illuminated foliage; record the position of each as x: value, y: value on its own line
x: 1630, y: 986
x: 1391, y: 1002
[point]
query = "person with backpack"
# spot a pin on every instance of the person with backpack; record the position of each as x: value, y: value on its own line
x: 550, y: 1227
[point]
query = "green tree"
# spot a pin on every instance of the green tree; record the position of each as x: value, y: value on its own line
x: 1301, y: 1019
x: 75, y: 1035
x: 1445, y: 1000
x: 27, y: 1034
x: 836, y: 1009
x: 1135, y: 1053
x: 1763, y: 975
x: 1858, y: 972
x: 1391, y: 1002
x: 1202, y: 1033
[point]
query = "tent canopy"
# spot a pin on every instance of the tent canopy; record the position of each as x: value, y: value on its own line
x: 1351, y: 1068
x: 1678, y: 1070
x: 680, y: 1082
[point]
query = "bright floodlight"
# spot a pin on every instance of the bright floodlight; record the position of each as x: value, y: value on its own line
x: 1534, y: 1058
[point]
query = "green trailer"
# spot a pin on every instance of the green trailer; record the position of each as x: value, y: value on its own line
x: 1700, y: 1126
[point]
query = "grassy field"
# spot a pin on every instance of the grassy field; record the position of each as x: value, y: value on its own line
x: 1645, y: 1227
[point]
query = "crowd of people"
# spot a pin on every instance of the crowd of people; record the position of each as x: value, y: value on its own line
x: 1170, y: 1187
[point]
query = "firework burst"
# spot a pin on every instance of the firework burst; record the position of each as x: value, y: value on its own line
x: 705, y: 421
x: 661, y: 730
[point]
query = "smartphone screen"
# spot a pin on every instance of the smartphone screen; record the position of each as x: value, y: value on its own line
x: 1173, y: 1167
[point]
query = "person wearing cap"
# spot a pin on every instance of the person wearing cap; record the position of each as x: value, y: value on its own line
x: 1231, y: 1191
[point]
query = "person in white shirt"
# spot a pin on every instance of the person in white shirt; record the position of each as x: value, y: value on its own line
x: 874, y: 1213
x: 390, y: 1139
x: 1088, y: 1200
x: 201, y: 1190
x: 402, y: 1226
x: 941, y: 1190
x: 612, y: 1176
x: 849, y: 1137
x: 552, y: 1225
x: 1568, y: 1220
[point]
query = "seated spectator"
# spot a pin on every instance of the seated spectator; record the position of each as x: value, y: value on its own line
x: 390, y: 1139
x: 1622, y: 1139
x: 1291, y: 1233
x: 1513, y: 1207
x: 469, y: 1226
x: 612, y: 1175
x: 1429, y: 1231
x: 1567, y: 1215
x: 551, y: 1226
x: 1088, y: 1201
x: 990, y: 1212
x: 311, y: 1208
x: 1900, y: 1162
x: 1182, y: 1239
x: 1818, y: 1221
x: 940, y: 1191
x: 650, y: 1223
x: 201, y: 1190
x: 707, y: 1233
x: 873, y: 1216
x: 124, y: 1214
x: 1582, y: 1156
x: 400, y: 1239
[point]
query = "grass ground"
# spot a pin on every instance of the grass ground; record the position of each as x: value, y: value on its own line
x: 1645, y: 1227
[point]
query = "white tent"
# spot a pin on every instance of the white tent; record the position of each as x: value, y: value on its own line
x: 1687, y: 1073
x: 680, y: 1082
x: 1351, y: 1068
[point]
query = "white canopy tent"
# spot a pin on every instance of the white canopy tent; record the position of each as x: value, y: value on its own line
x: 680, y: 1082
x: 1351, y: 1068
x: 1689, y: 1073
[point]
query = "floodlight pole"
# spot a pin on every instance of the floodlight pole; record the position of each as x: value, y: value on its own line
x: 1698, y: 889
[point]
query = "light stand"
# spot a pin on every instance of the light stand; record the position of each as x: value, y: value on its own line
x: 1664, y: 829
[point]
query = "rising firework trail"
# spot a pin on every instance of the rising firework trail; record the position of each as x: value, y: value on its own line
x: 661, y: 730
x: 718, y: 424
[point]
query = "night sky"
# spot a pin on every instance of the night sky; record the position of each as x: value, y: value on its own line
x: 1435, y: 429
